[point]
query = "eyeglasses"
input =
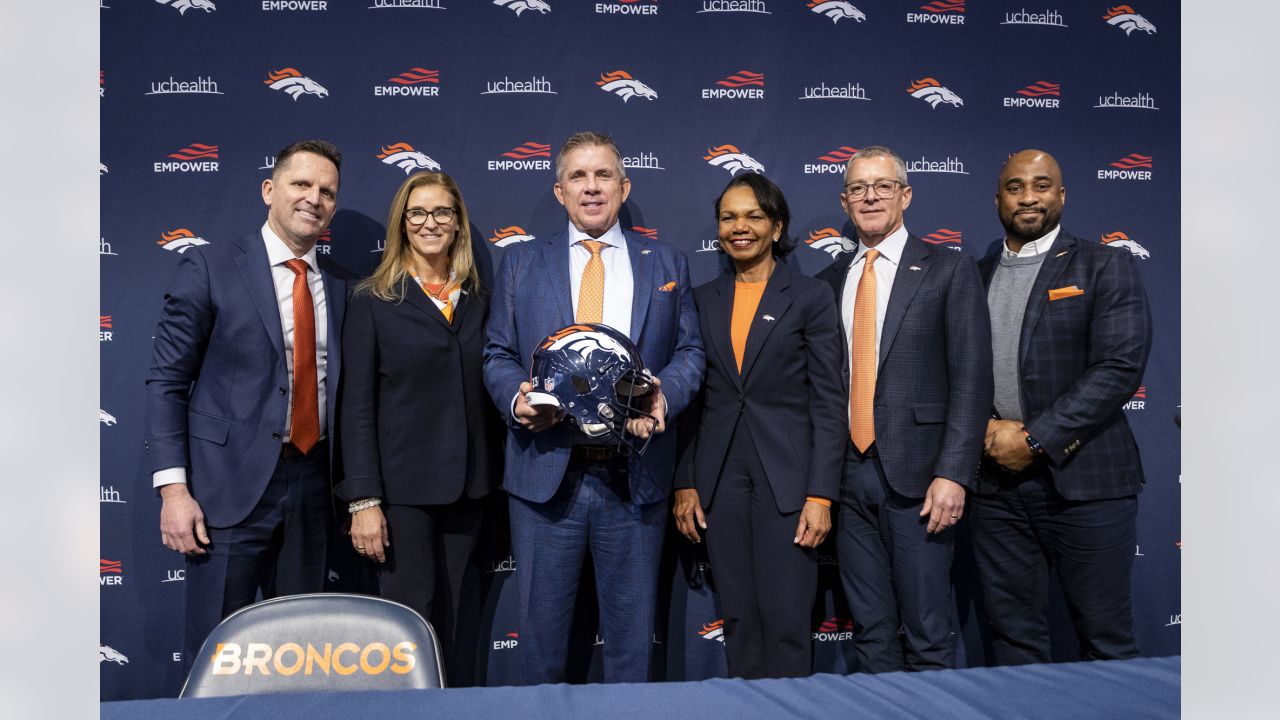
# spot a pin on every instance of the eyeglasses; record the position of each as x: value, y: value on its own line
x: 883, y: 188
x: 418, y: 216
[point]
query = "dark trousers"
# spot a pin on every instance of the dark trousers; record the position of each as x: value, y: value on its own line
x: 896, y: 576
x: 764, y: 581
x: 592, y: 511
x: 279, y: 549
x: 431, y: 546
x: 1027, y: 530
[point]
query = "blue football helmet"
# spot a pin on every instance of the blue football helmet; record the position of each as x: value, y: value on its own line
x: 594, y: 374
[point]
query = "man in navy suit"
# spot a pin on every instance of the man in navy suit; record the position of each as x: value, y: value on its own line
x: 918, y: 350
x: 238, y: 422
x: 1071, y: 332
x: 567, y: 496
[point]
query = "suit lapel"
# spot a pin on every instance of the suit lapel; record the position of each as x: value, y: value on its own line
x: 905, y: 283
x: 555, y: 258
x: 719, y: 310
x: 1058, y: 257
x: 773, y: 305
x: 417, y: 297
x: 256, y: 274
x: 642, y: 281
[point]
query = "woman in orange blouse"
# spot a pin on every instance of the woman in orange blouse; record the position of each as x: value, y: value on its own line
x: 759, y: 478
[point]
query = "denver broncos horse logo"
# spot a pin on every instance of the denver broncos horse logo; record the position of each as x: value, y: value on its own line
x: 180, y: 240
x: 620, y: 83
x: 106, y: 418
x: 1120, y: 240
x: 1123, y: 17
x: 830, y: 241
x: 521, y: 5
x: 932, y: 92
x: 713, y: 630
x: 837, y: 10
x: 403, y: 156
x: 106, y: 652
x: 182, y: 6
x: 510, y: 235
x: 732, y: 159
x: 291, y: 81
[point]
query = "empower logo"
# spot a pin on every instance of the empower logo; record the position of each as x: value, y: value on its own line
x: 933, y: 92
x: 742, y: 85
x: 730, y: 158
x: 180, y: 240
x: 622, y: 84
x: 107, y: 653
x: 289, y: 80
x: 1138, y: 401
x: 939, y: 12
x: 1123, y: 17
x: 510, y: 235
x: 950, y: 239
x: 834, y: 629
x: 182, y: 6
x: 104, y: 328
x: 285, y: 5
x: 110, y: 572
x: 1039, y: 94
x: 832, y: 162
x: 837, y: 10
x: 519, y: 6
x: 1129, y: 167
x: 290, y: 658
x: 627, y: 7
x: 1142, y: 101
x: 1118, y: 239
x: 1044, y: 17
x: 713, y: 630
x: 324, y: 243
x: 414, y: 82
x: 106, y: 418
x: 196, y: 157
x: 524, y: 157
x: 651, y: 233
x: 403, y: 156
x: 831, y: 242
x: 512, y: 640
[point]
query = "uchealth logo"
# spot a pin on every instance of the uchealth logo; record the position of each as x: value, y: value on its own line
x: 742, y: 85
x: 403, y: 156
x: 507, y: 641
x: 627, y: 7
x: 106, y: 418
x: 747, y: 6
x: 110, y: 494
x: 945, y: 237
x: 1140, y: 101
x: 182, y: 6
x: 939, y: 12
x: 104, y: 247
x: 837, y: 10
x: 831, y: 163
x: 110, y: 572
x: 202, y: 85
x: 414, y: 82
x: 291, y: 658
x: 622, y: 84
x: 948, y: 164
x: 833, y: 629
x: 1039, y: 94
x: 933, y: 92
x: 524, y: 157
x: 1139, y: 400
x: 643, y: 161
x: 730, y: 158
x: 290, y: 80
x: 519, y: 6
x: 106, y: 653
x: 651, y: 233
x: 1130, y: 167
x: 104, y: 328
x: 823, y: 91
x: 1123, y: 17
x: 831, y: 242
x: 713, y: 630
x: 1043, y: 17
x: 1118, y: 239
x: 510, y: 235
x: 196, y: 157
x: 180, y: 240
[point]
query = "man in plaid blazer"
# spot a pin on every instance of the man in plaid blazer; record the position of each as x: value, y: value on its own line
x: 1057, y: 491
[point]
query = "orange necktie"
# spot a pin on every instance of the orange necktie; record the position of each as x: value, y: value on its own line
x: 591, y: 291
x: 862, y: 354
x: 304, y: 427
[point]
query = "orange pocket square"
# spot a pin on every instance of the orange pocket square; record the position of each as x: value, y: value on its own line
x: 1064, y: 292
x: 668, y: 287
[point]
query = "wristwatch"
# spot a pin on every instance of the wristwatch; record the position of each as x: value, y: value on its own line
x: 1034, y: 444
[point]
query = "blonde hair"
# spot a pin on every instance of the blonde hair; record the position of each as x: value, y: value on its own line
x: 388, y: 281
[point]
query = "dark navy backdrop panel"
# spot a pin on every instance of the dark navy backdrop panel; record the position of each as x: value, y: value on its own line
x: 197, y: 95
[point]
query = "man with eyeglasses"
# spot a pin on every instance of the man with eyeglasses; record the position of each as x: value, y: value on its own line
x: 918, y: 348
x: 1058, y: 489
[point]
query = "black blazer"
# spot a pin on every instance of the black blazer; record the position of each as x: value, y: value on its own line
x: 417, y: 425
x: 789, y: 392
x: 1080, y: 359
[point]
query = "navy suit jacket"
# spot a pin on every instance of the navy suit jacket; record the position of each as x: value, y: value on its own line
x: 532, y: 299
x: 417, y: 425
x: 933, y: 385
x: 789, y: 392
x: 1080, y: 359
x: 217, y: 390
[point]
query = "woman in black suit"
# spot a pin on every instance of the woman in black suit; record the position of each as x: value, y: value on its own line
x: 421, y: 441
x: 761, y: 474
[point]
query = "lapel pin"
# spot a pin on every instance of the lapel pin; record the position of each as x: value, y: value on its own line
x: 914, y: 267
x: 1064, y: 252
x: 768, y: 318
x: 645, y: 252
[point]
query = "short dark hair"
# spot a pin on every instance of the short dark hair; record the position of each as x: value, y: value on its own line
x: 323, y: 148
x: 771, y: 201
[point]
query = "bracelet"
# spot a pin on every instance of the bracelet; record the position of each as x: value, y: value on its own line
x: 365, y: 504
x: 1033, y: 443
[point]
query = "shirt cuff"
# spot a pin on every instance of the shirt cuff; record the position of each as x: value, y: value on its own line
x: 168, y: 476
x: 820, y: 500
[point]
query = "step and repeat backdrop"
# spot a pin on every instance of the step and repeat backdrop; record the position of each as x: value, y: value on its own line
x: 197, y: 96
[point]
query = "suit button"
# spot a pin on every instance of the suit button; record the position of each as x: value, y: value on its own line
x: 276, y: 436
x: 283, y: 391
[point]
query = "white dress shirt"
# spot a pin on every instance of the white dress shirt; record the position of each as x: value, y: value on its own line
x: 1039, y: 246
x: 618, y: 283
x: 886, y: 268
x: 282, y: 277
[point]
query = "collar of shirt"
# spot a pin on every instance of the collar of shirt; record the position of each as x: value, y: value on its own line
x: 890, y: 248
x: 1039, y: 246
x: 612, y: 237
x: 278, y: 253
